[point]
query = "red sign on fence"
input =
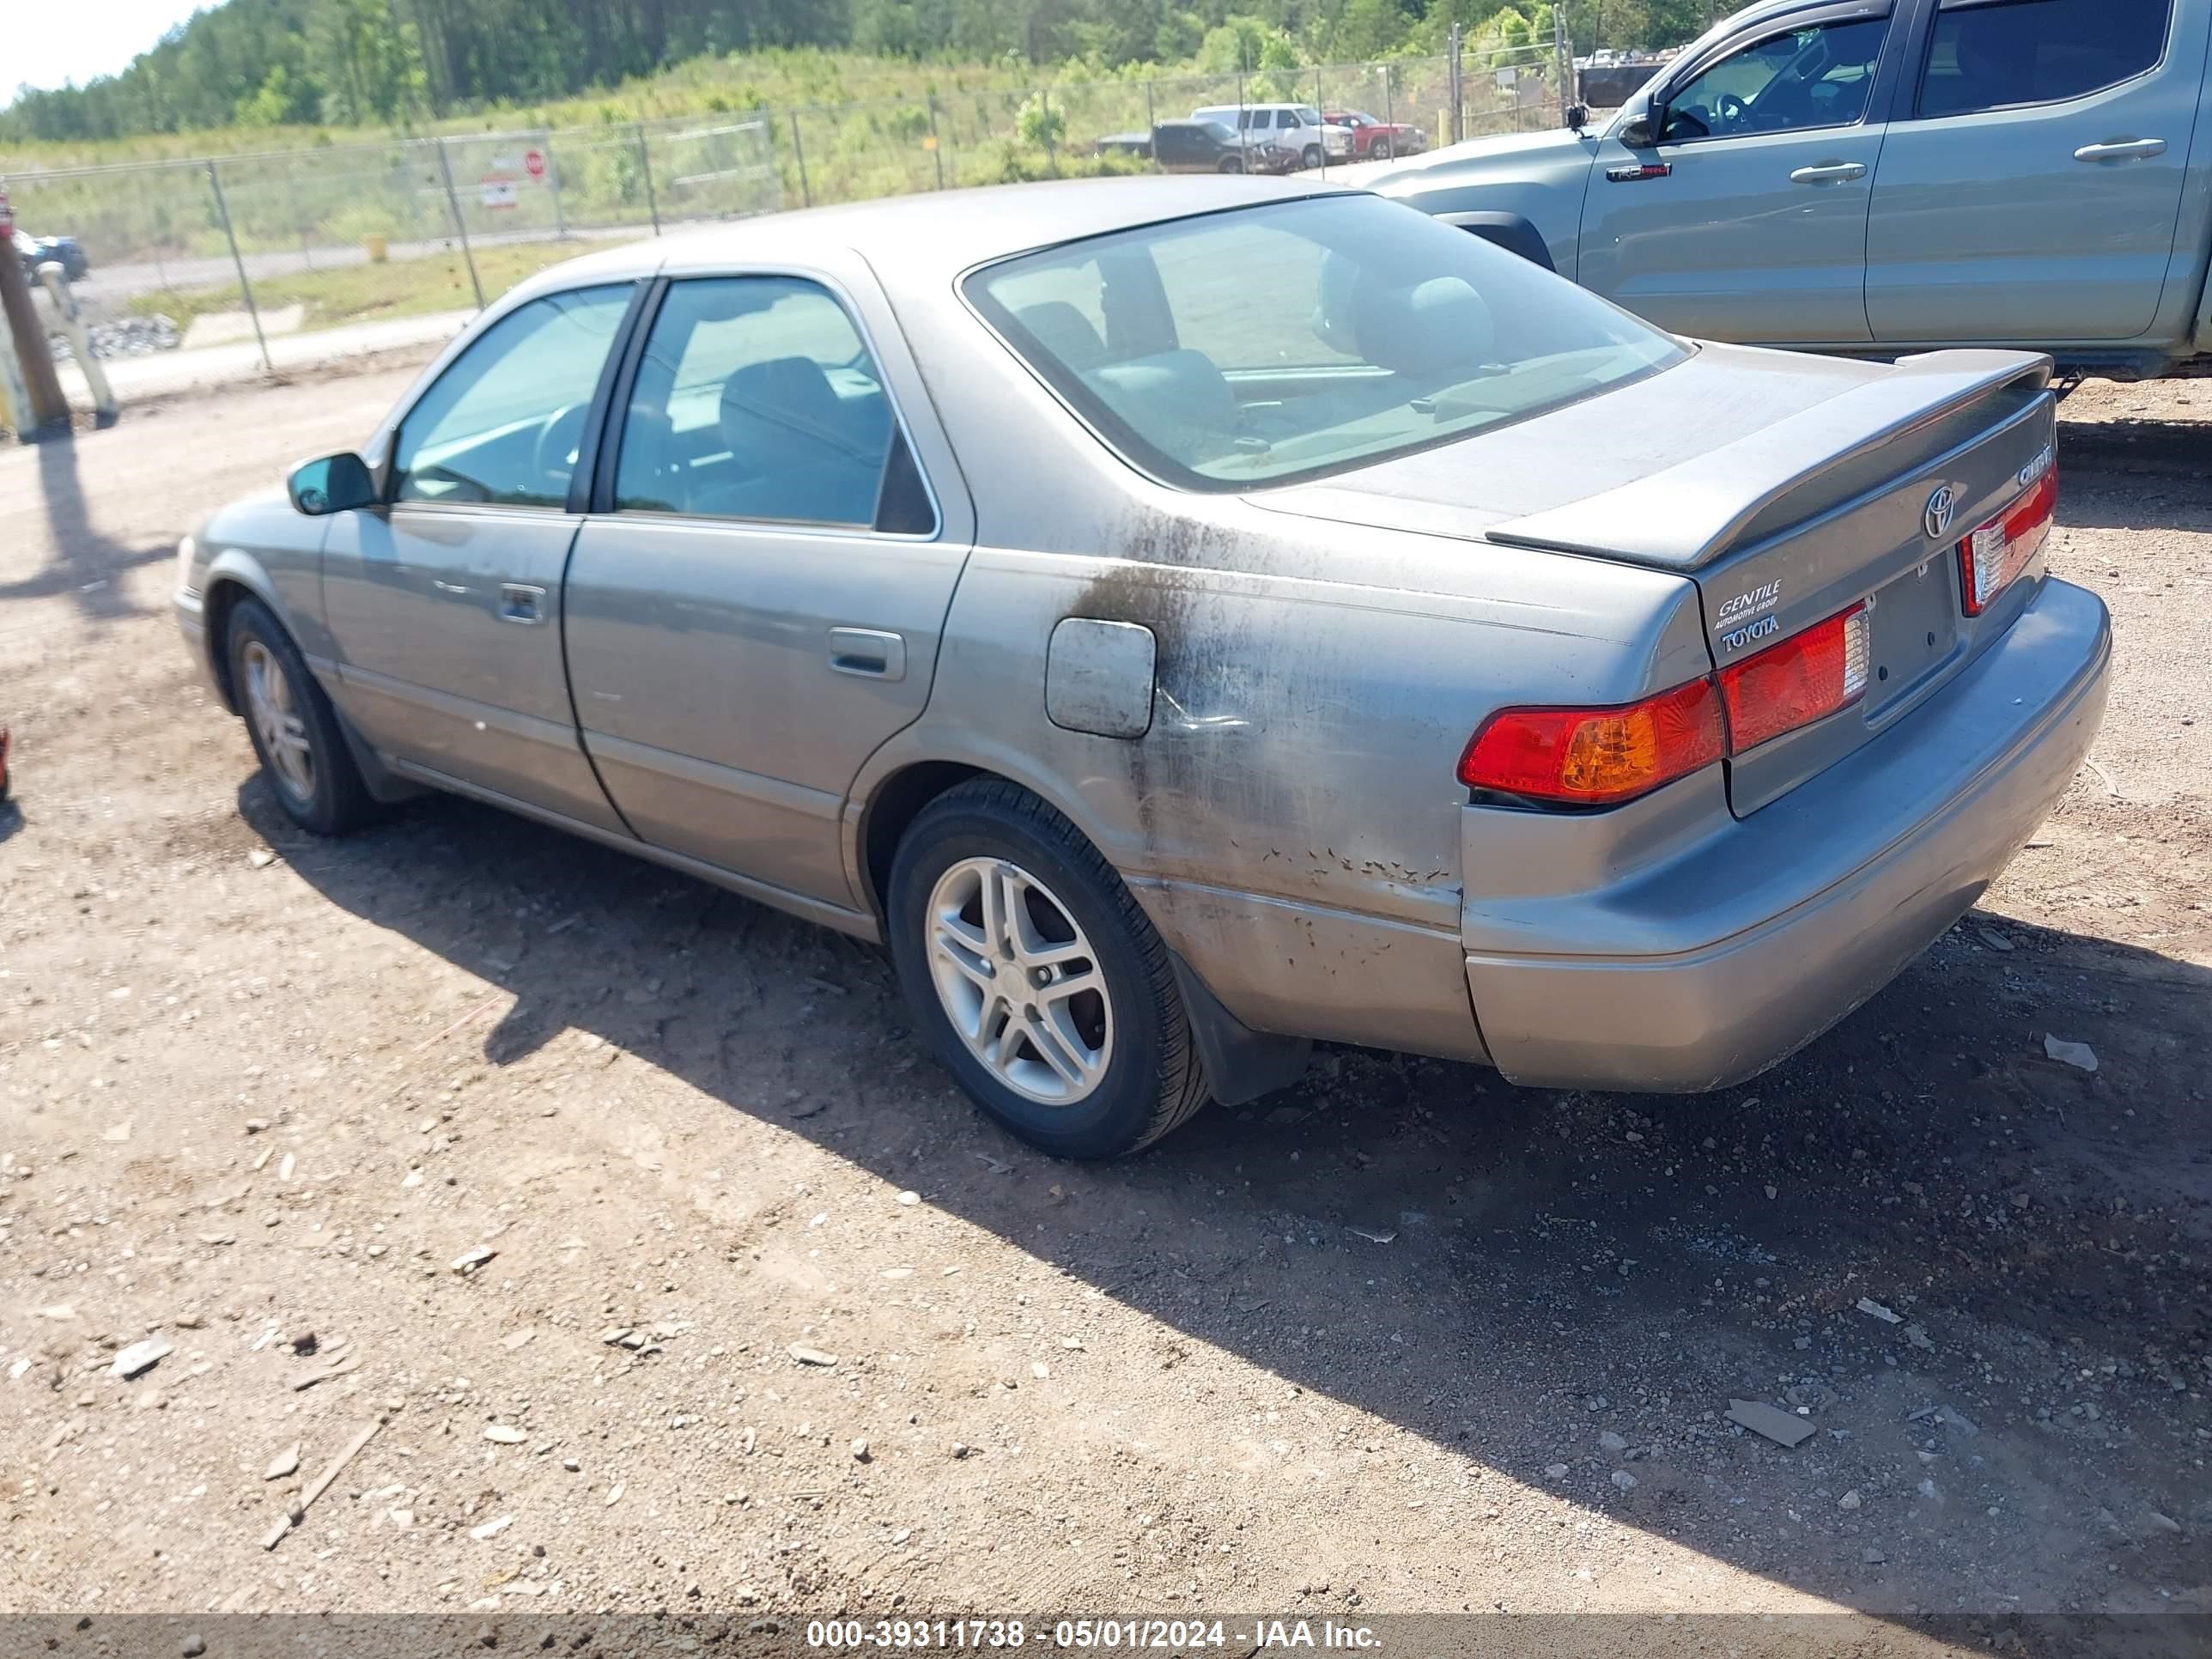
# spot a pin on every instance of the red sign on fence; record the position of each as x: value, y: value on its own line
x: 533, y: 163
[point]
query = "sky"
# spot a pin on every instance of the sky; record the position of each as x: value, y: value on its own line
x: 44, y: 44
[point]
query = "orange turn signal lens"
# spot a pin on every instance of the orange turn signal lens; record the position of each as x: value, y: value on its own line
x: 1596, y: 757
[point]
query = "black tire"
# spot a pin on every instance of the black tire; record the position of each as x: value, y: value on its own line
x: 1311, y: 157
x: 1153, y: 1080
x: 1381, y: 149
x: 1232, y: 164
x: 337, y: 800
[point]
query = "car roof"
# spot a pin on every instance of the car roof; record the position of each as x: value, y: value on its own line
x: 925, y: 240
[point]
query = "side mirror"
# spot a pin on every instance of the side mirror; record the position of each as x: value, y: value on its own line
x: 1640, y: 131
x: 1577, y: 117
x: 336, y: 483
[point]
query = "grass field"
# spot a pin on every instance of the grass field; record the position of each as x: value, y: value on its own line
x: 783, y: 80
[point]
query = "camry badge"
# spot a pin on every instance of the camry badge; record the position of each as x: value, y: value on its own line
x: 1940, y: 506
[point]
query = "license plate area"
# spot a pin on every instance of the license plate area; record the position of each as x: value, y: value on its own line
x: 1913, y: 631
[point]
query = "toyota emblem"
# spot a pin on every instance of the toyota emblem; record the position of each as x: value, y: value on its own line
x: 1940, y: 506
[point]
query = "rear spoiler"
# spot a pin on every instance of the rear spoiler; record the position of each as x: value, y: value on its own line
x: 1689, y: 514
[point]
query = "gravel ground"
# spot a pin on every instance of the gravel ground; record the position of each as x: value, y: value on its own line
x: 679, y: 1280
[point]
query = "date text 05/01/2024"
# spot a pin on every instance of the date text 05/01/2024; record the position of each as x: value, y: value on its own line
x: 1105, y: 1635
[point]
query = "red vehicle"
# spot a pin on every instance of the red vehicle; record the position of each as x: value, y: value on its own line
x: 1378, y: 141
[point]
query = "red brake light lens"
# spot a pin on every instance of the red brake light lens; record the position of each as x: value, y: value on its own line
x: 1999, y: 550
x: 1596, y: 757
x: 1805, y: 678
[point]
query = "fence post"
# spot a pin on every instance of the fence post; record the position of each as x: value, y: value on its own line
x: 230, y: 233
x: 645, y: 165
x: 1051, y: 150
x: 1563, y: 61
x: 1318, y: 110
x: 72, y: 320
x: 936, y: 144
x: 1452, y: 75
x: 553, y: 182
x: 799, y: 149
x: 1151, y: 128
x: 460, y: 225
x: 1389, y: 115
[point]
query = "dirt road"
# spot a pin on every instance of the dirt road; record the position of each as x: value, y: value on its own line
x: 552, y: 1162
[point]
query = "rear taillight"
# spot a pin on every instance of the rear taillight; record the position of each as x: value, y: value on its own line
x: 1602, y: 757
x: 1806, y: 678
x: 1596, y: 757
x: 1999, y: 550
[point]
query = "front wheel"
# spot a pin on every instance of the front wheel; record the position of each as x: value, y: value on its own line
x: 1380, y: 150
x: 1040, y: 982
x: 1232, y: 164
x: 295, y: 730
x: 1311, y: 158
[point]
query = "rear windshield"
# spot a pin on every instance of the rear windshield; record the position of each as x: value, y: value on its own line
x: 1277, y: 342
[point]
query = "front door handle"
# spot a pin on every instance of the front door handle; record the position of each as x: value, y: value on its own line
x: 871, y: 653
x: 2122, y: 149
x: 518, y: 602
x: 1829, y: 172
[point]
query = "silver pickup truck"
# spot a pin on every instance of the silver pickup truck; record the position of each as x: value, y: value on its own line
x: 1886, y: 176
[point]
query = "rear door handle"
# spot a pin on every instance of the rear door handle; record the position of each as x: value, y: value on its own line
x: 1829, y: 172
x: 2122, y: 149
x: 518, y: 602
x: 871, y: 653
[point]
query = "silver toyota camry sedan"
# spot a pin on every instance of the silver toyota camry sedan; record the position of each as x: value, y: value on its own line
x: 1184, y: 618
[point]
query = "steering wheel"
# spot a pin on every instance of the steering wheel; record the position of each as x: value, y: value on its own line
x: 554, y: 458
x: 1729, y: 110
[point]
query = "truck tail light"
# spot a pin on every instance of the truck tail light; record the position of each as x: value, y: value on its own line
x: 1602, y: 757
x: 1596, y: 757
x: 1999, y: 550
x: 1803, y: 679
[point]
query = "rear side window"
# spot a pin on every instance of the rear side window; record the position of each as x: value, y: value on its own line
x: 755, y: 399
x: 1995, y: 53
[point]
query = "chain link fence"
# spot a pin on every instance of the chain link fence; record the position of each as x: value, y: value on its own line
x: 233, y: 244
x: 857, y: 152
x: 237, y: 245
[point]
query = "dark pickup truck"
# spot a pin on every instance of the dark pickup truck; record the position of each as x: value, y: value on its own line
x: 1198, y: 147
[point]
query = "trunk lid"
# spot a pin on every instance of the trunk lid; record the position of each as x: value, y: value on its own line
x: 1787, y: 488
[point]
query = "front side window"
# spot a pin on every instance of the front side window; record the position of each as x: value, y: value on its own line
x: 755, y: 399
x: 1379, y: 330
x: 501, y: 426
x: 2037, y: 51
x: 1816, y: 76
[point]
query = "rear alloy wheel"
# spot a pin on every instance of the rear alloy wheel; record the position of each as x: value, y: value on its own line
x: 296, y: 732
x: 1040, y: 982
x: 1020, y: 982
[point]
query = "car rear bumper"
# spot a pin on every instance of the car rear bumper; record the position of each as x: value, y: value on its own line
x: 1731, y: 953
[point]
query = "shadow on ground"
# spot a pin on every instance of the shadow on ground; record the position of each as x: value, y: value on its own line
x: 86, y: 564
x: 1511, y: 1272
